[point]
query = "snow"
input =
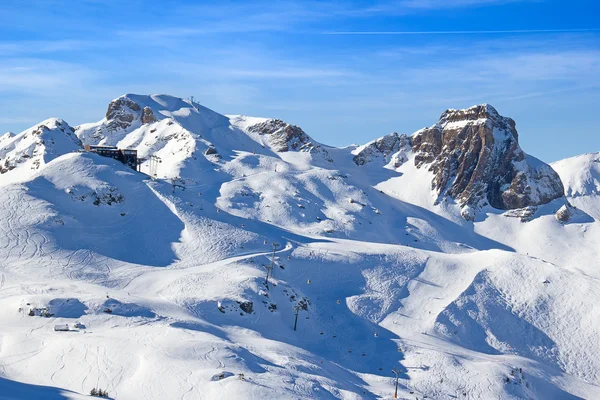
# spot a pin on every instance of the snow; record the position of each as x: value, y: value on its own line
x: 580, y: 175
x: 151, y: 278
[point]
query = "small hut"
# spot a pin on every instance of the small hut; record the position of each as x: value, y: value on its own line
x: 61, y: 328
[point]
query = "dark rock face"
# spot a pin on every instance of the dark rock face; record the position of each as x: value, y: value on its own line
x: 210, y: 150
x: 285, y: 137
x: 121, y: 113
x: 476, y: 160
x: 282, y: 135
x: 148, y: 116
x: 247, y: 306
x: 391, y: 148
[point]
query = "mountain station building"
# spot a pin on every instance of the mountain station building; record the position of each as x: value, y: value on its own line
x: 126, y: 156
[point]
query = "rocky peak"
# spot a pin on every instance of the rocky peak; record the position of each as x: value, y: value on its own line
x: 476, y: 160
x: 480, y: 114
x: 121, y: 113
x: 284, y: 137
x: 390, y: 149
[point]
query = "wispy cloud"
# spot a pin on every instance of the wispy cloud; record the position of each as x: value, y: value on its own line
x: 38, y: 47
x: 288, y: 73
x: 431, y: 4
x: 484, y: 32
x: 40, y: 76
x: 291, y: 16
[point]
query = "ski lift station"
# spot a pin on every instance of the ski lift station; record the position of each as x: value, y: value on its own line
x: 126, y: 156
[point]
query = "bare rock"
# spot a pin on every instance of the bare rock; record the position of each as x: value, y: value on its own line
x: 476, y: 160
x: 468, y: 212
x: 148, y: 116
x: 282, y: 136
x: 210, y: 150
x: 247, y: 306
x: 391, y: 149
x: 285, y: 137
x: 121, y: 113
x: 563, y: 214
x: 525, y: 214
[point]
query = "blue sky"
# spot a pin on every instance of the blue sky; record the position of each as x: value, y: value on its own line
x: 346, y: 72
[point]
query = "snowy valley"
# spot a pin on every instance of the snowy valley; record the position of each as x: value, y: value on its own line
x: 450, y: 255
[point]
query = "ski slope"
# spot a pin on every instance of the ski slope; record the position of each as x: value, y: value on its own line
x: 163, y: 286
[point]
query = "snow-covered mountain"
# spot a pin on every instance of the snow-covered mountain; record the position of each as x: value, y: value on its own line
x: 35, y: 147
x: 448, y: 255
x: 581, y: 177
x: 476, y: 160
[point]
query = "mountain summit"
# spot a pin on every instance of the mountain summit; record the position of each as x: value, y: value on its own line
x: 37, y: 146
x: 476, y: 158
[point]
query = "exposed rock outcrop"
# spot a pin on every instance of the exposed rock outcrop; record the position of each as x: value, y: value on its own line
x: 210, y: 150
x: 476, y: 160
x: 121, y: 113
x: 391, y: 150
x: 565, y: 213
x: 148, y: 116
x: 525, y: 214
x: 284, y: 137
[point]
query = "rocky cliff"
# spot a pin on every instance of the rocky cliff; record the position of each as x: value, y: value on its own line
x: 476, y: 159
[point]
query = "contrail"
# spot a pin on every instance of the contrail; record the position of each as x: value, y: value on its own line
x: 459, y: 32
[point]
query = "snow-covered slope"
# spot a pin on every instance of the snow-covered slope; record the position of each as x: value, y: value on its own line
x: 581, y: 176
x: 162, y: 281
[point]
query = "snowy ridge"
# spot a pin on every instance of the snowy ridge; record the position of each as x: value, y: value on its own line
x: 162, y: 282
x: 580, y: 174
x: 33, y: 148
